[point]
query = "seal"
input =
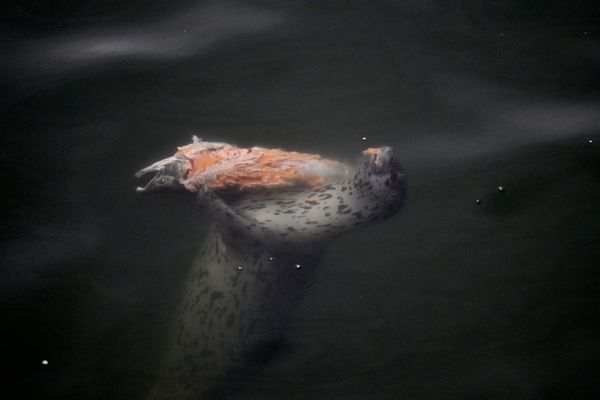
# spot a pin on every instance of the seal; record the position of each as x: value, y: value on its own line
x: 260, y: 255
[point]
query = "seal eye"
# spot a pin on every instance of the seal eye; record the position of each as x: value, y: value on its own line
x: 162, y: 180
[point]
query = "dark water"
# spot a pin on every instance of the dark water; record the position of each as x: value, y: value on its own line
x: 449, y: 299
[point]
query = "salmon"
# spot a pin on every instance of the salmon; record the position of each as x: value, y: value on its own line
x: 222, y: 166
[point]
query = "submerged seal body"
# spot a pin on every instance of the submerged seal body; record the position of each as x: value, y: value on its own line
x: 253, y: 266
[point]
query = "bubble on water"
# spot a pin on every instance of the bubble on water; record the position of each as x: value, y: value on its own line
x: 271, y: 258
x: 45, y: 362
x: 239, y: 268
x: 590, y: 141
x: 363, y: 138
x: 477, y: 201
x: 500, y: 188
x: 298, y: 266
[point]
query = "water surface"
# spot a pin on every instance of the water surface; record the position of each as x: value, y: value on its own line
x: 449, y: 299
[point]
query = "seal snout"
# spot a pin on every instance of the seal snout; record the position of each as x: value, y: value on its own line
x: 382, y: 160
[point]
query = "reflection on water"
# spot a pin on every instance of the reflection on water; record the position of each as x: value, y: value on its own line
x: 186, y: 33
x: 452, y: 298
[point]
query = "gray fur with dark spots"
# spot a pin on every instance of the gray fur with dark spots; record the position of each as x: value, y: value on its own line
x: 227, y: 312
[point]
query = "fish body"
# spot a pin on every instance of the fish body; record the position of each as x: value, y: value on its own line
x: 222, y: 166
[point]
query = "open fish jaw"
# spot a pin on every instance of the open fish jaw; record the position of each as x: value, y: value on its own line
x: 167, y: 175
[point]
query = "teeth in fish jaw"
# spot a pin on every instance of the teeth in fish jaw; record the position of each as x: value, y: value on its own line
x: 142, y: 173
x: 165, y: 177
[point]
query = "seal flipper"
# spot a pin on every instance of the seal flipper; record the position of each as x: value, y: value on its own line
x: 230, y: 223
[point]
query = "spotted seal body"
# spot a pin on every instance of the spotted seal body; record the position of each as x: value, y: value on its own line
x: 252, y: 268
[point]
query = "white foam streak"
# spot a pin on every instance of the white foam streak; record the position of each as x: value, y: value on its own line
x: 499, y: 119
x: 184, y: 34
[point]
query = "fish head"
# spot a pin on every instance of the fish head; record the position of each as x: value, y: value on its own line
x: 168, y: 174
